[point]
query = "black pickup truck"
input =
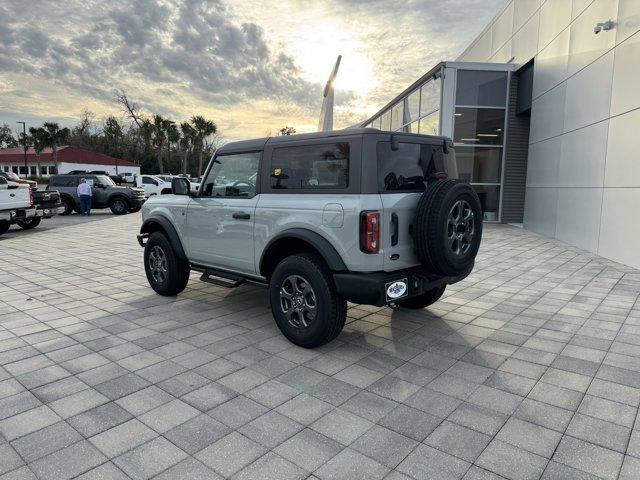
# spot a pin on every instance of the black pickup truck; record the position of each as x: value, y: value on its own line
x: 47, y: 204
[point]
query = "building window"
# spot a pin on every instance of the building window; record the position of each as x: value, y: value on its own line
x: 23, y: 170
x: 430, y: 97
x: 43, y: 170
x: 52, y: 170
x: 482, y: 88
x: 412, y: 105
x: 6, y: 168
x: 479, y: 126
x: 311, y: 167
x: 430, y: 125
x: 33, y: 170
x: 489, y: 196
x: 479, y: 164
x: 397, y: 116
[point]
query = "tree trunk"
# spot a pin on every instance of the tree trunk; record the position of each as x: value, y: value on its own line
x: 160, y: 168
x: 55, y: 157
x: 200, y: 153
x: 185, y: 159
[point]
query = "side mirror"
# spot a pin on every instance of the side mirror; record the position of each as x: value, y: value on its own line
x: 180, y: 186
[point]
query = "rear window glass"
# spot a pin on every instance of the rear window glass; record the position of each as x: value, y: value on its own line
x: 412, y: 165
x: 63, y: 181
x: 311, y: 167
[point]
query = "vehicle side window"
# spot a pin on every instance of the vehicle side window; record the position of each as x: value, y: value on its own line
x: 63, y: 181
x: 406, y: 169
x: 310, y: 166
x: 149, y: 181
x: 233, y: 175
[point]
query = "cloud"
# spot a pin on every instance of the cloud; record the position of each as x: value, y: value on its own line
x: 240, y: 62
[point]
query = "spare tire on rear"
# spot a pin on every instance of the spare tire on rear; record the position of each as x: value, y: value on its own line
x: 448, y: 227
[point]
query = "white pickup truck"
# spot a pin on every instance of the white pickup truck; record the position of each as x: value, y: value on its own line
x: 152, y: 185
x: 16, y: 203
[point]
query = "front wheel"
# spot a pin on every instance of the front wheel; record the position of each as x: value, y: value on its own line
x: 304, y: 301
x: 119, y: 206
x: 167, y: 274
x: 423, y: 300
x: 30, y: 223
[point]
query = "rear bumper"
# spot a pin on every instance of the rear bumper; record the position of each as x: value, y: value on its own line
x: 22, y: 213
x: 49, y: 211
x: 381, y: 288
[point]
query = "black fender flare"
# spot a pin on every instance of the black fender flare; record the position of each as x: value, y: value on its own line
x: 159, y: 223
x: 317, y: 241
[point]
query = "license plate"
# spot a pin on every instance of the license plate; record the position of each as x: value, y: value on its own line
x: 396, y: 289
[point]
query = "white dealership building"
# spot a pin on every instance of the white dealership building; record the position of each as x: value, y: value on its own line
x: 543, y: 107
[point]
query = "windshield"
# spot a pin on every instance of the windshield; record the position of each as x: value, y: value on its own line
x: 104, y: 180
x: 12, y: 176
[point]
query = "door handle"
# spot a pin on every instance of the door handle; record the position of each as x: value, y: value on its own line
x: 241, y: 216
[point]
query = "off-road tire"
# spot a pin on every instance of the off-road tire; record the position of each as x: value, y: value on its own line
x: 30, y: 223
x: 4, y: 226
x: 424, y: 300
x: 331, y: 311
x: 177, y: 270
x: 430, y: 232
x: 69, y: 206
x: 119, y: 206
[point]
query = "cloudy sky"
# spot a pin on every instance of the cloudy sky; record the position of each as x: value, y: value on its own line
x: 253, y: 66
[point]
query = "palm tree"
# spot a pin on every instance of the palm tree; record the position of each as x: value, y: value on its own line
x: 160, y: 127
x: 56, y: 136
x: 39, y: 139
x: 203, y: 129
x: 186, y: 144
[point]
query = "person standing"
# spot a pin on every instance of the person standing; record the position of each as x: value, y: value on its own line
x: 84, y: 192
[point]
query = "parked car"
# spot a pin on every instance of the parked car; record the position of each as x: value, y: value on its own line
x: 169, y: 178
x: 13, y: 177
x: 105, y: 193
x: 152, y: 185
x: 361, y: 215
x: 16, y: 203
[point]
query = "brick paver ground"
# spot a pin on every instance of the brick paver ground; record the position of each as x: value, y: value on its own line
x: 529, y: 368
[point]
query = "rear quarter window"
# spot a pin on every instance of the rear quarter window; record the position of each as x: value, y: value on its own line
x: 412, y: 166
x: 315, y: 167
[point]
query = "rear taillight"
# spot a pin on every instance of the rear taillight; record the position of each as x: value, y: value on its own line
x: 370, y: 232
x: 30, y: 197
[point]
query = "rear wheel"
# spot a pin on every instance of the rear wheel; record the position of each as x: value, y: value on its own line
x: 30, y: 223
x: 423, y: 300
x: 4, y: 226
x: 68, y: 205
x: 304, y: 301
x: 119, y: 206
x: 167, y: 274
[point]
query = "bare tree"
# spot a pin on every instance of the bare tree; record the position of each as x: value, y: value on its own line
x: 130, y: 108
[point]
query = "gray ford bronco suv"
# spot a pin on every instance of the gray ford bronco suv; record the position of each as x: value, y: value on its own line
x: 360, y: 215
x: 104, y: 193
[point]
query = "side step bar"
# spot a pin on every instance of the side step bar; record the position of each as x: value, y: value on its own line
x: 221, y: 279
